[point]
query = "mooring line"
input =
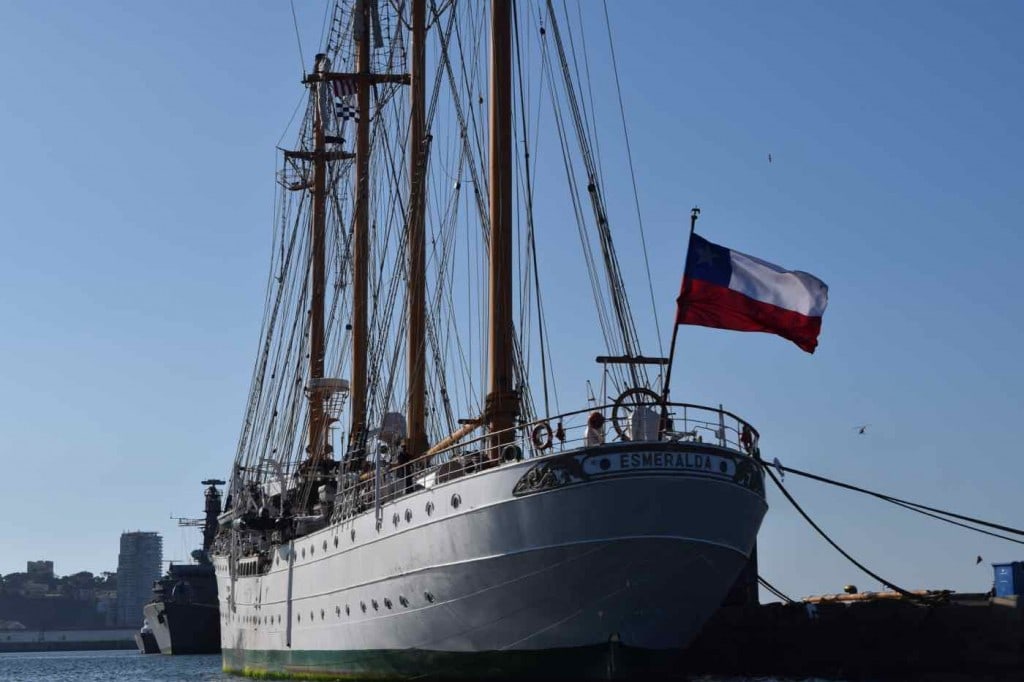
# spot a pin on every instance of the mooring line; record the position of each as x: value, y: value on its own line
x: 906, y: 503
x: 829, y: 540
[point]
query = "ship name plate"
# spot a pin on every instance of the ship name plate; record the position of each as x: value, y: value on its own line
x: 688, y: 462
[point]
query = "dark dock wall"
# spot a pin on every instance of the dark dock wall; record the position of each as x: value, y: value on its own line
x: 972, y: 635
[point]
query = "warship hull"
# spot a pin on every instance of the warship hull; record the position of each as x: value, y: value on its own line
x: 146, y: 642
x: 184, y: 628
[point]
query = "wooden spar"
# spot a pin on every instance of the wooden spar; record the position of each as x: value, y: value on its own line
x: 502, y: 406
x: 317, y: 422
x: 361, y: 256
x: 458, y: 435
x: 416, y: 419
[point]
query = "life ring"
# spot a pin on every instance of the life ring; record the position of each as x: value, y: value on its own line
x: 746, y: 437
x: 541, y: 436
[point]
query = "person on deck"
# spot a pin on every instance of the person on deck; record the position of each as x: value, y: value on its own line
x: 403, y: 469
x: 595, y: 429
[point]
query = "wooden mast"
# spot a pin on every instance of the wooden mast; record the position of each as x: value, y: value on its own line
x: 360, y: 266
x: 416, y: 419
x: 317, y: 423
x: 502, y: 406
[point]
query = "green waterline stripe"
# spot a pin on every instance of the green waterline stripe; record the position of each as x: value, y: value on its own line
x: 591, y: 662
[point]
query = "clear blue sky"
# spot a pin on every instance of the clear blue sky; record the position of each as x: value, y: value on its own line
x: 136, y: 195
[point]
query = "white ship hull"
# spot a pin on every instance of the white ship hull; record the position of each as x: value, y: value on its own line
x: 641, y: 554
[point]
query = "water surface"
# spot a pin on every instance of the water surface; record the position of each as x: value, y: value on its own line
x: 106, y: 666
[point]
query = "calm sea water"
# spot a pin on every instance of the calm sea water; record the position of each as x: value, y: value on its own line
x: 100, y: 666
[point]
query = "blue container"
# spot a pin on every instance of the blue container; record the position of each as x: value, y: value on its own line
x: 1009, y: 578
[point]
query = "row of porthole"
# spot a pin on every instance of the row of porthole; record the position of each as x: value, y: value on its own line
x: 455, y: 501
x: 269, y: 620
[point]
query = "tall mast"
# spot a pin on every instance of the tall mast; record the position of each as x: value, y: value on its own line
x: 360, y: 266
x: 317, y: 424
x: 417, y: 240
x: 502, y: 399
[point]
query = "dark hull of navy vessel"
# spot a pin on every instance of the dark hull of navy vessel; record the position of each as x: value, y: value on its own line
x: 183, y: 614
x: 146, y: 642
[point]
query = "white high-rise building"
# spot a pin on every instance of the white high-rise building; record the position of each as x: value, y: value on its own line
x: 138, y: 566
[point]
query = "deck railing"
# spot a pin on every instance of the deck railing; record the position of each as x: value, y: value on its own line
x: 677, y: 422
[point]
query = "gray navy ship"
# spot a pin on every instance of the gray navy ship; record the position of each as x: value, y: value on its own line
x: 183, y: 616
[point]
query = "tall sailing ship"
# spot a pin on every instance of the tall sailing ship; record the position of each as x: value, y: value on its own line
x: 407, y: 499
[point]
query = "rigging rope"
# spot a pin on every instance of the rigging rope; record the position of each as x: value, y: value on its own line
x: 616, y: 286
x: 632, y: 176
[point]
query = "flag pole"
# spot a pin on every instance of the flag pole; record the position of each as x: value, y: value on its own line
x: 694, y: 214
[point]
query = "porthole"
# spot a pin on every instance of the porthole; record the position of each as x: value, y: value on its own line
x: 430, y: 508
x: 311, y: 615
x: 403, y: 601
x: 347, y: 611
x: 408, y: 515
x: 321, y: 614
x: 352, y: 534
x: 429, y: 597
x: 337, y: 611
x: 312, y: 549
x: 394, y: 519
x: 298, y: 617
x: 325, y: 545
x: 304, y: 549
x: 362, y: 605
x: 335, y: 541
x: 376, y: 606
x: 387, y: 602
x: 456, y: 501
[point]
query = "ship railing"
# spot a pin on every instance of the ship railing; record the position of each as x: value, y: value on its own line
x: 674, y: 422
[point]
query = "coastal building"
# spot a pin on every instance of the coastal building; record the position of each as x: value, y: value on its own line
x: 138, y: 566
x: 40, y: 570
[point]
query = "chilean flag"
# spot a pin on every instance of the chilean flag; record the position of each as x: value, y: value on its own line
x: 727, y: 289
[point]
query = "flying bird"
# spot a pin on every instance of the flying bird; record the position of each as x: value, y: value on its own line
x: 769, y: 158
x: 862, y: 428
x: 978, y: 560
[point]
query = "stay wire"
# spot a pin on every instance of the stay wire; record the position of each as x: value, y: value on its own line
x: 829, y: 540
x: 531, y: 235
x: 295, y: 23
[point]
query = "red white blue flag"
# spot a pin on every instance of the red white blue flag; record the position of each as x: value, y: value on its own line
x: 726, y: 289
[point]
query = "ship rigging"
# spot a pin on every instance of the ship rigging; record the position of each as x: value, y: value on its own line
x: 399, y: 499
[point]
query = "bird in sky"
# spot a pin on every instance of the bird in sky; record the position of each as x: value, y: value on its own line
x: 862, y: 428
x: 769, y: 158
x: 978, y: 560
